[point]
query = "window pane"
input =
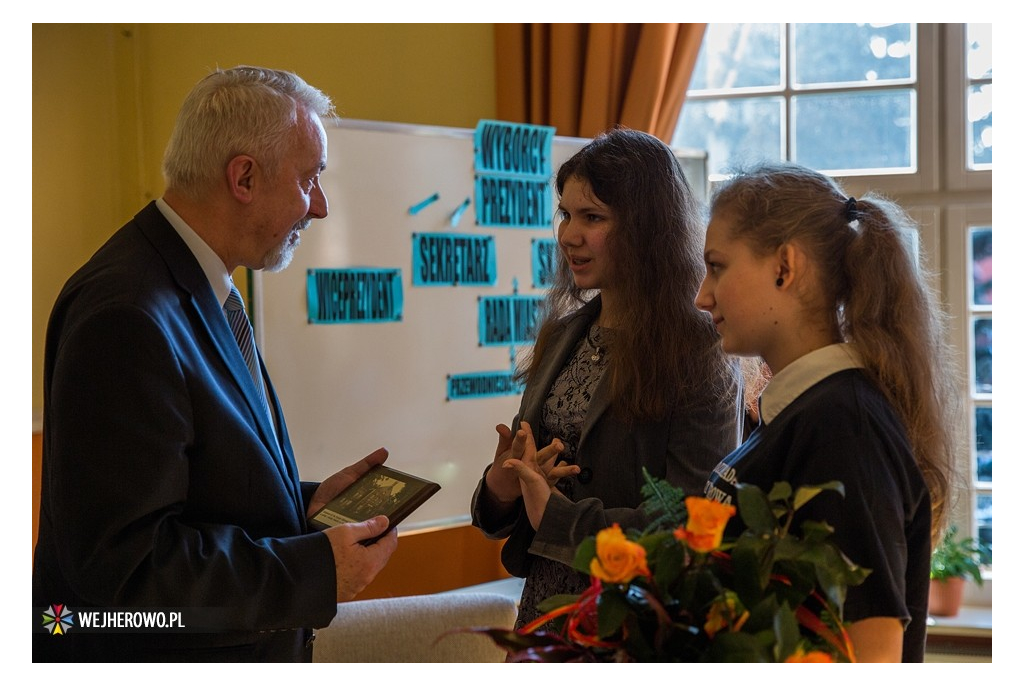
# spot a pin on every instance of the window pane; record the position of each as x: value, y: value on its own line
x: 983, y: 443
x: 983, y: 356
x: 983, y: 519
x: 981, y: 265
x: 979, y: 51
x: 739, y: 56
x: 861, y: 130
x: 979, y: 126
x: 733, y: 131
x: 852, y: 53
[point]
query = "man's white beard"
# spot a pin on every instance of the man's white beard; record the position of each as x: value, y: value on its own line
x: 281, y: 257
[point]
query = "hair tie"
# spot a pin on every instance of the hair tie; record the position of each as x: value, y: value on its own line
x: 851, y: 209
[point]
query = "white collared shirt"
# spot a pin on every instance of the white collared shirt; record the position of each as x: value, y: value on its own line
x: 805, y: 372
x: 211, y: 264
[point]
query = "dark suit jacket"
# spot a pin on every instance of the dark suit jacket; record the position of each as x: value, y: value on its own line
x: 682, y: 448
x: 163, y: 482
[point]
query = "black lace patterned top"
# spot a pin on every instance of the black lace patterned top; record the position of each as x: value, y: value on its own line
x: 564, y: 413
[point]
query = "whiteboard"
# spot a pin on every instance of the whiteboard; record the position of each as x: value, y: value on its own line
x: 349, y: 388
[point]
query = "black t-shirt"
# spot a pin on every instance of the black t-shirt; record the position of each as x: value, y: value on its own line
x: 842, y: 428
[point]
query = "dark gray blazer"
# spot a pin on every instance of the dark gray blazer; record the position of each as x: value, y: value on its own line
x: 682, y: 448
x: 163, y: 482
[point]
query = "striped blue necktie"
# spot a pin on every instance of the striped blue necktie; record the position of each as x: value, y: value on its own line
x: 240, y: 326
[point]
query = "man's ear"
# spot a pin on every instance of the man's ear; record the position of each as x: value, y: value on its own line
x: 241, y: 177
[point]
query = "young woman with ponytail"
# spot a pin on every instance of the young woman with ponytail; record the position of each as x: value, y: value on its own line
x: 825, y: 289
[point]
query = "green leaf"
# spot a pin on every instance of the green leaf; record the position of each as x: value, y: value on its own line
x: 959, y: 558
x: 787, y: 632
x: 751, y: 560
x: 741, y: 647
x: 816, y: 532
x: 584, y: 555
x: 665, y: 559
x: 664, y: 504
x: 612, y: 609
x: 835, y: 572
x: 789, y: 547
x: 780, y: 492
x: 755, y: 510
x: 806, y: 493
x: 555, y: 602
x: 801, y: 578
x: 762, y: 615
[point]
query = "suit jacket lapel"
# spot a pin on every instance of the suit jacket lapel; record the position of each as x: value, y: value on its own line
x: 283, y: 444
x: 575, y: 326
x: 190, y: 277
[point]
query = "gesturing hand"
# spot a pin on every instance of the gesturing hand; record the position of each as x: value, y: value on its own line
x: 537, y: 471
x: 503, y: 485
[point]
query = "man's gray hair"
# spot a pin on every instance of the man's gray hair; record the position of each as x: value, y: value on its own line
x: 244, y: 110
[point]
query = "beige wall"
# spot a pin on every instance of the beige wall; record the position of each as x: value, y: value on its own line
x: 104, y: 98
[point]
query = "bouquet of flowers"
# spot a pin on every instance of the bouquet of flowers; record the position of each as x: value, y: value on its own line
x: 678, y: 591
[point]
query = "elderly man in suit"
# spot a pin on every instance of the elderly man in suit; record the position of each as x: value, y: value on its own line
x: 169, y: 480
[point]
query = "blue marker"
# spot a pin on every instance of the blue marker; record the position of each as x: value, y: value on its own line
x: 457, y: 214
x: 430, y: 200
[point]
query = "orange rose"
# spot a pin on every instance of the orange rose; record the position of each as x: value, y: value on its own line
x: 705, y: 523
x: 814, y: 656
x: 618, y: 560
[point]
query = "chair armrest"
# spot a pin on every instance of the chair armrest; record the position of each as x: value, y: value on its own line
x: 416, y: 629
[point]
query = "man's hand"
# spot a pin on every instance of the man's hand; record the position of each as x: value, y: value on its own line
x: 356, y: 564
x: 330, y: 488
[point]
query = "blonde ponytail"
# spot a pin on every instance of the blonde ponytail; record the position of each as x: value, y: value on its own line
x: 876, y: 294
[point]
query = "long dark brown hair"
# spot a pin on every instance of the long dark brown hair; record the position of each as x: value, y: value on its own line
x: 665, y: 349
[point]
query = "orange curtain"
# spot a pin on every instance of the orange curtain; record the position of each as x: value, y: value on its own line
x: 585, y: 78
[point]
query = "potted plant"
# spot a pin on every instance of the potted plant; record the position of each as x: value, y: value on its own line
x: 953, y: 562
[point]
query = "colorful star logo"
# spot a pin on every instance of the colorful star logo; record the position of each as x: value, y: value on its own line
x: 58, y: 619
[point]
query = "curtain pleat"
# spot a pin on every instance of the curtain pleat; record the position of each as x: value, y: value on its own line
x: 585, y: 78
x: 540, y: 57
x: 568, y: 51
x: 511, y: 58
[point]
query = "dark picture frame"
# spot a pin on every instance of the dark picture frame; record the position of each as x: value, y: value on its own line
x: 381, y: 490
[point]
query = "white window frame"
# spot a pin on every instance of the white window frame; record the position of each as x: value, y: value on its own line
x: 924, y: 81
x: 957, y: 172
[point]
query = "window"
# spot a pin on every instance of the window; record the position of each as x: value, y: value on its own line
x: 969, y: 281
x: 841, y: 98
x: 969, y: 235
x: 875, y: 104
x: 979, y: 96
x: 978, y: 106
x: 979, y: 243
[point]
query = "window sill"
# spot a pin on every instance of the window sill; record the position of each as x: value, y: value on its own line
x: 966, y: 637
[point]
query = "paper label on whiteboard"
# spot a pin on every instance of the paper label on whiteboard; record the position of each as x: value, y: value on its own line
x: 465, y: 386
x: 508, y: 319
x: 503, y: 202
x: 354, y: 295
x: 543, y: 257
x: 511, y: 149
x: 453, y: 259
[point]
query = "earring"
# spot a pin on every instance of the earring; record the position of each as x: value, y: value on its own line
x: 778, y: 282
